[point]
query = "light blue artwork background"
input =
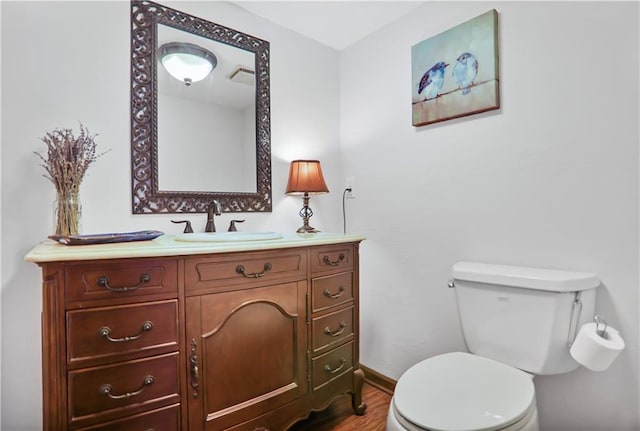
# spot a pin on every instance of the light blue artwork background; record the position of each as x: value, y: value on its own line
x: 476, y: 36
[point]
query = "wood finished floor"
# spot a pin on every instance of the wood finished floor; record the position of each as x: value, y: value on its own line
x: 339, y: 416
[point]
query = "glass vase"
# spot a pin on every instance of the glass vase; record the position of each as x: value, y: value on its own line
x: 67, y: 213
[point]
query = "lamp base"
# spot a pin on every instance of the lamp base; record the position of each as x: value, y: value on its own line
x: 307, y: 229
x: 306, y: 214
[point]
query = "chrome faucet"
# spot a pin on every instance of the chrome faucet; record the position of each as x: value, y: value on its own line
x: 214, y: 209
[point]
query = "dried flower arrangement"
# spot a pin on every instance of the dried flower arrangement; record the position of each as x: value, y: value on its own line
x: 66, y: 163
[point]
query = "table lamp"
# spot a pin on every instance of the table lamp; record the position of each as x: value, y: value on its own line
x: 305, y: 178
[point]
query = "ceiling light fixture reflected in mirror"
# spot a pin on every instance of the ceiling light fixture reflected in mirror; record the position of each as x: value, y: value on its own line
x: 187, y: 62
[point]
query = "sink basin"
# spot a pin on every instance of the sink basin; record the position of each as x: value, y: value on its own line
x: 227, y: 236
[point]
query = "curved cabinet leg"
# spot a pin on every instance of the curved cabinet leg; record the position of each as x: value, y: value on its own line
x: 356, y: 397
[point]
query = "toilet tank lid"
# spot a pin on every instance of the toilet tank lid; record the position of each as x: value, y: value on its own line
x: 530, y: 278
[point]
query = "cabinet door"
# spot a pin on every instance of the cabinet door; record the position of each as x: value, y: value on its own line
x: 247, y: 353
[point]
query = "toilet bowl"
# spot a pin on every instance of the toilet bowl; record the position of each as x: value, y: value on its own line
x: 461, y: 391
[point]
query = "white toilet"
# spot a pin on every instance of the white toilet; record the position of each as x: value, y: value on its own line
x: 517, y: 322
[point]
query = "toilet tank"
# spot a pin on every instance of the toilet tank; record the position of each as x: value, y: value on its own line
x: 523, y: 316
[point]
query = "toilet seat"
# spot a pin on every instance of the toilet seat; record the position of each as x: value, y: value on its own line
x: 398, y: 423
x: 460, y: 391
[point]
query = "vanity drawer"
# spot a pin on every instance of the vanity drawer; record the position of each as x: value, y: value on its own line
x: 331, y: 290
x: 104, y: 334
x: 332, y: 365
x: 165, y: 419
x: 121, y: 279
x: 332, y: 329
x: 334, y: 258
x: 110, y: 392
x: 245, y: 270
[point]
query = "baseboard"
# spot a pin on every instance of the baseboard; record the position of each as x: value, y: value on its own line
x: 378, y: 380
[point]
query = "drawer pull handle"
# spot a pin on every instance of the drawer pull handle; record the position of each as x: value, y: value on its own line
x: 105, y: 332
x: 103, y: 281
x: 240, y: 270
x: 107, y: 388
x: 329, y: 262
x: 328, y: 368
x: 328, y: 293
x: 338, y: 332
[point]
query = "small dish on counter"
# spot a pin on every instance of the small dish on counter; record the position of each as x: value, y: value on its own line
x: 107, y: 238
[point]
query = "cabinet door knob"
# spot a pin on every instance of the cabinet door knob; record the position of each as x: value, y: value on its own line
x: 195, y: 373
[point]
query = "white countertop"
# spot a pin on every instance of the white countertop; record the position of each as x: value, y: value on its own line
x: 166, y: 245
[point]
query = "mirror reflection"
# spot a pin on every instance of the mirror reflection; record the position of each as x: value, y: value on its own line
x: 206, y: 128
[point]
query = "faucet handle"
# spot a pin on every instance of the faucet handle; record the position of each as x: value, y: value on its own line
x: 232, y: 225
x: 187, y: 228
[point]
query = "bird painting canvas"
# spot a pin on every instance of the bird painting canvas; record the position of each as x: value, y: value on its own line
x: 456, y: 73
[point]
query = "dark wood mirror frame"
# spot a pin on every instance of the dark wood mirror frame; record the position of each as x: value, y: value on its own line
x: 146, y: 197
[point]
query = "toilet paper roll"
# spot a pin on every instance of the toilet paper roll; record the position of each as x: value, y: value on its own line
x: 594, y: 351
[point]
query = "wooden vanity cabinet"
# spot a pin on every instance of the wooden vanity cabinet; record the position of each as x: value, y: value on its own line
x: 238, y: 341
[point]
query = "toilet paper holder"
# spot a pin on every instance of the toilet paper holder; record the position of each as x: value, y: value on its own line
x: 601, y: 321
x: 576, y: 310
x: 574, y: 320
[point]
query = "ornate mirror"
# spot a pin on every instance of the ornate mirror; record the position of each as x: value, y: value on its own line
x: 196, y: 140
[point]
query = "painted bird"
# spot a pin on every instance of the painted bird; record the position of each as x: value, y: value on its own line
x: 465, y: 71
x: 432, y: 80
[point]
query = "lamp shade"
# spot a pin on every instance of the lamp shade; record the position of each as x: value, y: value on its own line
x: 305, y: 176
x: 187, y: 62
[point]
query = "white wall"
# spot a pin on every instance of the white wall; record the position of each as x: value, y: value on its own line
x: 549, y: 180
x: 64, y: 62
